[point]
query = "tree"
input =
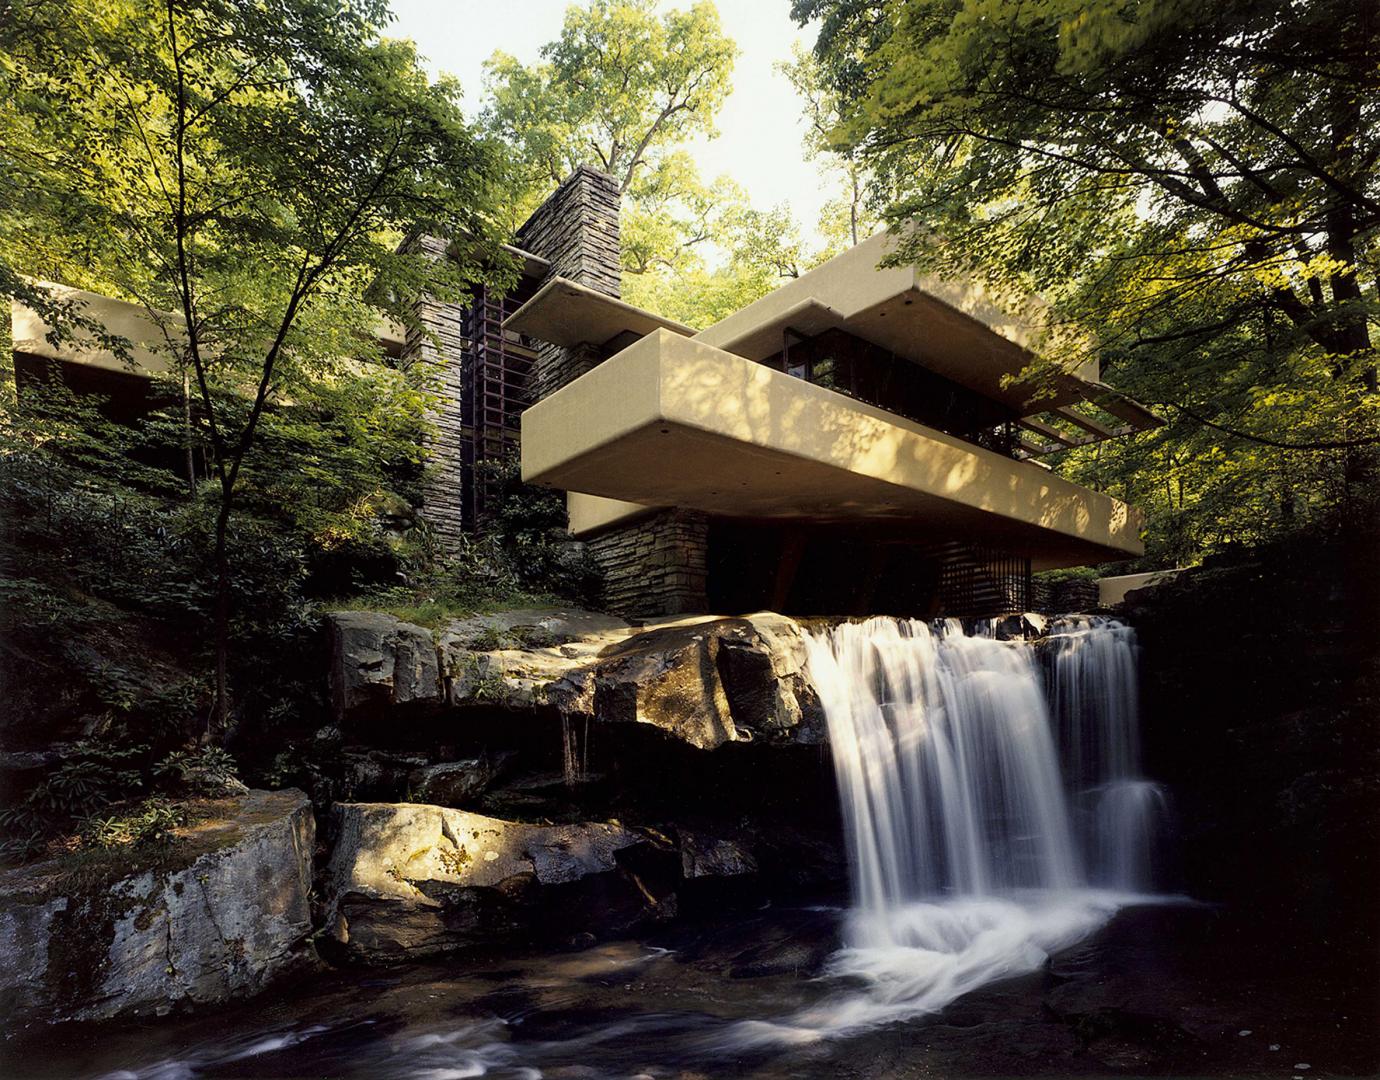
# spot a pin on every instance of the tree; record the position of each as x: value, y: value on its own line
x: 621, y: 89
x: 1195, y: 182
x: 615, y: 90
x: 758, y: 250
x: 847, y: 220
x: 674, y: 216
x: 245, y: 171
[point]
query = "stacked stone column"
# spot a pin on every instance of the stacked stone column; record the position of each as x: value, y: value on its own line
x: 655, y: 565
x: 439, y: 341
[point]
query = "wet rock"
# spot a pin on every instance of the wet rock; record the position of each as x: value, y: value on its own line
x: 703, y: 856
x: 714, y: 681
x: 668, y: 678
x: 407, y: 880
x: 778, y: 700
x: 1026, y: 626
x: 704, y: 681
x: 221, y: 915
x: 792, y: 942
x: 454, y: 783
x: 378, y: 660
x: 374, y: 775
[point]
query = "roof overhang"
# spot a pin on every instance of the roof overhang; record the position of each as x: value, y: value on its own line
x: 676, y: 422
x: 153, y: 337
x: 563, y: 312
x: 956, y: 327
x: 533, y: 266
x: 151, y: 340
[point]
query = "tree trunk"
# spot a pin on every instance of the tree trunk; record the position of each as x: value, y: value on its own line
x: 219, y: 722
x: 853, y: 205
x: 187, y: 432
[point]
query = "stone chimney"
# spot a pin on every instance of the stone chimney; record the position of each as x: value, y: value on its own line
x: 576, y: 230
x: 655, y: 565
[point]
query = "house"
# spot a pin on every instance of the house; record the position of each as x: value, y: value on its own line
x: 852, y: 443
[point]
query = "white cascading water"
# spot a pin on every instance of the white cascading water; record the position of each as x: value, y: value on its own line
x: 982, y: 834
x: 1094, y: 699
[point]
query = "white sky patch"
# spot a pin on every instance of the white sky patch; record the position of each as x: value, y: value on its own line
x: 760, y: 125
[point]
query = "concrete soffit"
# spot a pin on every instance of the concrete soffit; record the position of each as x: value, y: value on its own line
x: 678, y: 422
x: 563, y: 312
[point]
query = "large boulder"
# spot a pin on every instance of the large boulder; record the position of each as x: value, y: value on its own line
x: 534, y: 628
x: 705, y: 856
x: 407, y: 880
x: 379, y: 660
x: 713, y: 681
x: 455, y: 783
x: 704, y: 681
x: 526, y: 658
x: 223, y: 913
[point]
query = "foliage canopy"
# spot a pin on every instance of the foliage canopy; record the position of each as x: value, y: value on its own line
x: 1197, y: 182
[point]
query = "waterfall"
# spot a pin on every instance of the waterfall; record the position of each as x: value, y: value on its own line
x: 993, y: 806
x: 1094, y: 698
x: 946, y: 764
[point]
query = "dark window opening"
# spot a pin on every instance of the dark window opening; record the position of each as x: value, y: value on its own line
x: 815, y: 569
x: 494, y: 386
x: 839, y: 361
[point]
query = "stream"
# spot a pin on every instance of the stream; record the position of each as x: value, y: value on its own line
x: 1003, y: 919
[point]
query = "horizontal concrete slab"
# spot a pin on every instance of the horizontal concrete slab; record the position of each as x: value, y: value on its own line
x: 153, y: 337
x: 1112, y: 590
x: 955, y: 327
x: 565, y: 313
x: 671, y: 421
x: 151, y: 343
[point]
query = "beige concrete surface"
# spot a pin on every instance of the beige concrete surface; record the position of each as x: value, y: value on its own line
x: 1112, y: 590
x: 566, y: 313
x: 151, y: 340
x: 590, y: 513
x: 672, y: 421
x: 149, y: 343
x: 957, y: 328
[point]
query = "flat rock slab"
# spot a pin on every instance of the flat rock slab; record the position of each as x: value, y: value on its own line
x: 385, y: 849
x: 377, y: 659
x: 705, y: 681
x: 219, y: 915
x: 408, y: 879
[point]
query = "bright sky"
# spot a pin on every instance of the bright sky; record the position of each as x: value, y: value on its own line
x: 760, y: 126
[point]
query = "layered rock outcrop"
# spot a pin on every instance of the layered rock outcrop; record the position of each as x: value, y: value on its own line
x: 704, y: 681
x: 224, y: 913
x: 409, y: 880
x: 523, y: 776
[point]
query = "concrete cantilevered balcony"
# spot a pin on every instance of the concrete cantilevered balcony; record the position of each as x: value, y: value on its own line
x: 673, y: 421
x: 150, y: 341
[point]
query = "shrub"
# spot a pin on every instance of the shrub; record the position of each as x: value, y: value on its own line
x: 207, y: 770
x: 149, y: 822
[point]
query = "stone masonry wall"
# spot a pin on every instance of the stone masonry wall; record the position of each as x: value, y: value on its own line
x: 655, y: 566
x: 576, y: 230
x: 439, y: 340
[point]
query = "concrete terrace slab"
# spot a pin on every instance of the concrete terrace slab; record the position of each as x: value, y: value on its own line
x: 681, y: 423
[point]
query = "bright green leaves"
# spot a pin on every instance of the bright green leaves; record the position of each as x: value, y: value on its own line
x: 1195, y: 184
x: 620, y: 86
x: 622, y: 89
